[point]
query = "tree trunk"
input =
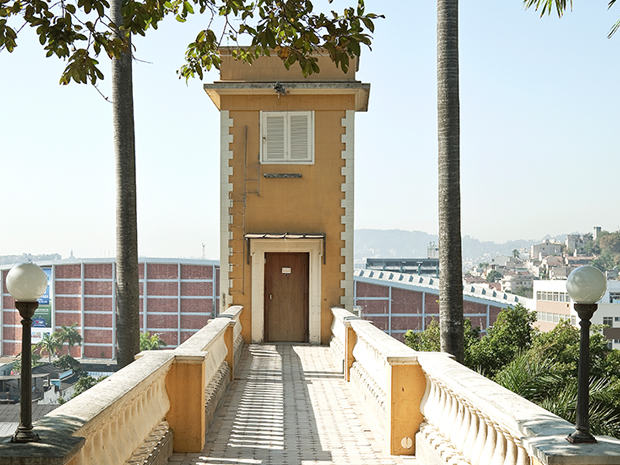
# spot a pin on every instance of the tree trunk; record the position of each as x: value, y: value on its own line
x: 127, y: 290
x: 449, y: 201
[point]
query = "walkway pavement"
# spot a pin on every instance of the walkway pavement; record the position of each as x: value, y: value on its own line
x: 289, y: 405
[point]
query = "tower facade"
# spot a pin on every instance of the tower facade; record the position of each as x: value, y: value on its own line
x: 286, y: 221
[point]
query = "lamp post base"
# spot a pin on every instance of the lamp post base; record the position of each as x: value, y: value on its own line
x: 24, y: 434
x: 581, y: 437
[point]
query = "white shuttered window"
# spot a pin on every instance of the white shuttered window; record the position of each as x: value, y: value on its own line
x: 287, y: 137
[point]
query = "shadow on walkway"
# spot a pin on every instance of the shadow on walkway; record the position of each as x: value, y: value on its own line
x: 288, y: 405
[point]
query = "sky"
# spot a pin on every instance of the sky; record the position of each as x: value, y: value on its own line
x: 539, y: 135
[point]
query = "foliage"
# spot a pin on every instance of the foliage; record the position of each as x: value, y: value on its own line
x: 562, y: 345
x: 78, y: 31
x: 425, y: 341
x: 148, y: 342
x: 524, y: 291
x: 429, y: 339
x: 70, y: 335
x: 608, y: 245
x: 542, y: 381
x: 512, y: 332
x: 546, y: 6
x: 67, y: 362
x: 34, y: 361
x: 493, y: 276
x: 49, y: 344
x: 541, y: 367
x: 85, y: 383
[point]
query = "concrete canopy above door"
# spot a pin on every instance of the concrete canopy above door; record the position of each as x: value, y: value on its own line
x: 258, y: 248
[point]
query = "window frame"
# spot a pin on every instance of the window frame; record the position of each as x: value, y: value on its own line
x: 287, y: 160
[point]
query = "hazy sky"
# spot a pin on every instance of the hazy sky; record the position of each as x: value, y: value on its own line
x: 539, y: 135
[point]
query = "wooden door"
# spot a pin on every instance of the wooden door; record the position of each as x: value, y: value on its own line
x: 286, y: 297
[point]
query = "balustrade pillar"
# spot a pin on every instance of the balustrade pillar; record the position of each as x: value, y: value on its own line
x: 229, y: 340
x: 185, y: 384
x: 407, y: 386
x: 350, y: 339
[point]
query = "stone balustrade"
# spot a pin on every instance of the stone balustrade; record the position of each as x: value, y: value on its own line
x: 386, y: 374
x: 462, y: 418
x: 163, y: 393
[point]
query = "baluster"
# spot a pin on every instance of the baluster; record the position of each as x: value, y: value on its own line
x: 511, y: 450
x: 113, y: 449
x: 463, y: 431
x: 489, y: 443
x: 458, y: 424
x: 481, y: 437
x: 440, y: 415
x: 472, y: 433
x: 523, y: 457
x: 427, y: 404
x: 451, y: 418
x: 96, y: 455
x: 444, y: 415
x: 499, y: 455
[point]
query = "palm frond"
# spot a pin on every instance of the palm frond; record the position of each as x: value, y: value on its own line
x: 546, y: 6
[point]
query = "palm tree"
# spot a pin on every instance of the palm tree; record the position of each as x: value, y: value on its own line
x: 49, y: 344
x: 449, y: 201
x: 127, y: 280
x: 560, y: 6
x: 70, y: 335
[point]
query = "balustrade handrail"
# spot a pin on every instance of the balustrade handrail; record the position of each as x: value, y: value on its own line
x: 458, y: 400
x: 389, y: 348
x: 210, y: 333
x: 87, y: 427
x: 511, y: 411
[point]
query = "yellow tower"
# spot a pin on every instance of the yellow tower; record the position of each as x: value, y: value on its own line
x: 286, y: 221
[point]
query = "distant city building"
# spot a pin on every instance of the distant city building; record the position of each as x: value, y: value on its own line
x: 512, y: 281
x: 539, y: 251
x: 432, y: 251
x: 396, y: 302
x: 597, y: 232
x: 177, y: 298
x: 552, y: 304
x: 420, y: 266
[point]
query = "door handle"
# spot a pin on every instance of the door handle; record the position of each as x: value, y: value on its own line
x: 270, y: 296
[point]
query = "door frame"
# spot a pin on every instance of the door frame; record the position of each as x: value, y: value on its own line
x: 258, y: 248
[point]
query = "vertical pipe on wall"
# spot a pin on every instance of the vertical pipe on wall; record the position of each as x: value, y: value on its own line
x: 53, y: 298
x: 423, y: 310
x: 113, y: 309
x: 215, y: 293
x: 390, y: 310
x: 1, y: 312
x: 82, y: 305
x: 488, y: 314
x: 355, y: 296
x: 144, y: 298
x: 179, y: 304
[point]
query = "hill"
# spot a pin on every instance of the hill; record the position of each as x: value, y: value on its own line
x: 379, y: 243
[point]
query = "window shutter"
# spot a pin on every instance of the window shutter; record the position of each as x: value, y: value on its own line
x: 287, y: 137
x: 273, y: 138
x: 299, y: 140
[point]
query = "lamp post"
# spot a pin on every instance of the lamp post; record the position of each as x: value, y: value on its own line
x: 26, y: 283
x: 586, y: 285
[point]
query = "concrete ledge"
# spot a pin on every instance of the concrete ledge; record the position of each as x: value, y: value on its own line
x: 54, y: 449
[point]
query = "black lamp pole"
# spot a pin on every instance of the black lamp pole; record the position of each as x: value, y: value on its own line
x: 582, y: 426
x: 24, y: 431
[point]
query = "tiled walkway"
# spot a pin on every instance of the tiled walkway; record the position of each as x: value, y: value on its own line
x: 289, y: 405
